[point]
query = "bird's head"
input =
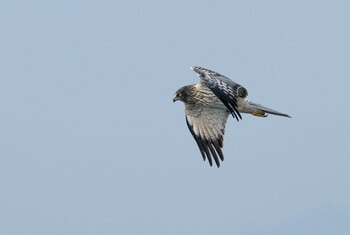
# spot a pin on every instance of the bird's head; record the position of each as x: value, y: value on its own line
x: 181, y: 94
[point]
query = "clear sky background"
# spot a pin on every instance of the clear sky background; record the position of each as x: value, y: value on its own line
x: 91, y: 142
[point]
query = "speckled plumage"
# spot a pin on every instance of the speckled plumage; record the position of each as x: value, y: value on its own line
x: 208, y: 105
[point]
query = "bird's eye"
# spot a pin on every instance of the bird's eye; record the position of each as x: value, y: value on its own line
x: 180, y: 94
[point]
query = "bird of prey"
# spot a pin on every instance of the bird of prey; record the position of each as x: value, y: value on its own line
x: 209, y: 103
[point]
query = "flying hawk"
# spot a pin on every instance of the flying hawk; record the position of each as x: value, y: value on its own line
x: 208, y: 105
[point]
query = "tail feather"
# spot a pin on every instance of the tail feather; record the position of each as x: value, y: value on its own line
x: 267, y: 110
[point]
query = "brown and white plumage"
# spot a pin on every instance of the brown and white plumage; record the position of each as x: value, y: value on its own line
x: 208, y: 105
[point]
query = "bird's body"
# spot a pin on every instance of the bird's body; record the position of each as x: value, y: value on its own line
x: 209, y: 103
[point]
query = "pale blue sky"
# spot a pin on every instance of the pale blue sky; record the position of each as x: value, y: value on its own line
x: 91, y: 142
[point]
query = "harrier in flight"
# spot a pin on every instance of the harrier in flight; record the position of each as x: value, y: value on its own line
x: 209, y: 103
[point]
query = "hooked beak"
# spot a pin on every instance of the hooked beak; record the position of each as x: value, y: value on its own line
x: 175, y: 98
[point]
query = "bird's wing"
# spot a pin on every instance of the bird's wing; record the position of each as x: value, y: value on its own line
x: 207, y: 127
x: 224, y: 88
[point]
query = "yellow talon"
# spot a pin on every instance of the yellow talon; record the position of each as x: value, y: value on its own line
x: 260, y: 114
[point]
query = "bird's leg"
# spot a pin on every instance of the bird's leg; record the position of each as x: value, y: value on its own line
x: 260, y: 114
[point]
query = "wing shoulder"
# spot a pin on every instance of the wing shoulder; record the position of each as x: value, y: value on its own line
x: 225, y: 89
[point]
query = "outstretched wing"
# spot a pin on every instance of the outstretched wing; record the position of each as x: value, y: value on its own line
x: 224, y: 88
x: 207, y: 127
